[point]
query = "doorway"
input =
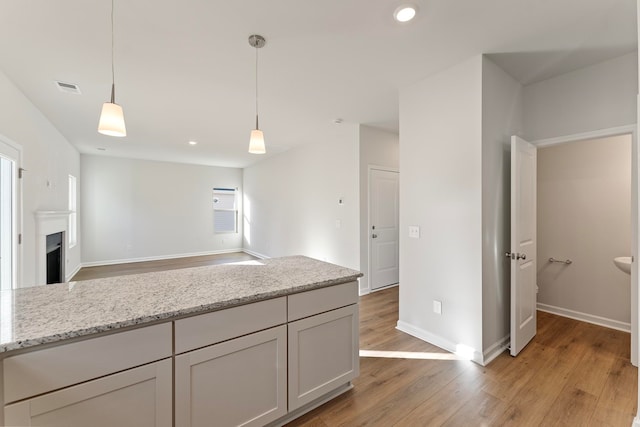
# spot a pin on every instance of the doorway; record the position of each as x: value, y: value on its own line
x: 384, y: 263
x: 9, y: 214
x: 588, y: 215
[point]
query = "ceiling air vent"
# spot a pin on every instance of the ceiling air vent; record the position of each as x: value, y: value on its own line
x: 68, y: 88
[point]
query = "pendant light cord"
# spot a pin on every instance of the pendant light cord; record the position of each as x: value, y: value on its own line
x: 256, y: 88
x: 113, y: 73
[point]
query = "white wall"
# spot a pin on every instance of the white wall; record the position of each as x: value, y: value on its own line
x: 597, y: 97
x: 454, y: 129
x: 441, y: 191
x: 291, y: 201
x: 584, y: 213
x: 377, y: 148
x: 47, y: 157
x: 502, y: 116
x: 636, y: 224
x: 141, y: 209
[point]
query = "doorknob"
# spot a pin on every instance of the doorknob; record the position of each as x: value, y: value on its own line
x: 515, y: 255
x: 373, y: 236
x: 521, y: 256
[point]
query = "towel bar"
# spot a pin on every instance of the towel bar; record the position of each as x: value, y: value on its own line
x: 566, y: 261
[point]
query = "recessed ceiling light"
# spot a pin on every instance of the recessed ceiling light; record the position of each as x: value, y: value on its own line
x: 101, y: 149
x: 193, y: 142
x: 405, y: 13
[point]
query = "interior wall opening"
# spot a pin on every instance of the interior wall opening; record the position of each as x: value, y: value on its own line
x: 584, y: 221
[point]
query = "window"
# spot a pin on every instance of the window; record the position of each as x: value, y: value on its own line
x: 73, y: 215
x: 225, y: 212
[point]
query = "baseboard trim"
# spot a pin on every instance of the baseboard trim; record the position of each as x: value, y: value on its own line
x: 496, y: 349
x: 384, y: 287
x: 158, y: 258
x: 436, y: 340
x: 636, y: 421
x: 73, y: 273
x: 585, y: 317
x: 255, y: 254
x: 367, y: 290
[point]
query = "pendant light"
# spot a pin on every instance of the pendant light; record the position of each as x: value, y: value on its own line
x: 112, y: 118
x: 256, y: 142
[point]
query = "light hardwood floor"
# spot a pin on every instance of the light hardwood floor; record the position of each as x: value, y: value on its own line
x: 572, y: 374
x: 87, y: 273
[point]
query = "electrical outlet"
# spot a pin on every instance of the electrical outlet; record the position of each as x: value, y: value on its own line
x: 437, y: 307
x: 414, y: 231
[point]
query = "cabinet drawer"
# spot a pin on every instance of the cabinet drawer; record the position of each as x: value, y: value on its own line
x: 206, y: 329
x: 137, y: 397
x: 307, y: 304
x: 41, y: 371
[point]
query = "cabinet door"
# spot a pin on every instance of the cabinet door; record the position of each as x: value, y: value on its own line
x: 241, y: 382
x: 323, y: 354
x: 139, y: 397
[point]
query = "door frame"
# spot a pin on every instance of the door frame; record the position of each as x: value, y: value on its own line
x: 17, y: 212
x: 369, y: 169
x: 635, y: 211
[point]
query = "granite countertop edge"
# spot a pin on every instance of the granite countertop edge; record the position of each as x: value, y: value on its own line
x: 167, y: 316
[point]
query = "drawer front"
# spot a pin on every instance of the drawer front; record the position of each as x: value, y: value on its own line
x: 206, y: 329
x: 307, y: 304
x: 136, y: 397
x: 41, y: 371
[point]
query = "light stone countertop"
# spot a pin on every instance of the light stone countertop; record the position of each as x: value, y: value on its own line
x: 45, y: 314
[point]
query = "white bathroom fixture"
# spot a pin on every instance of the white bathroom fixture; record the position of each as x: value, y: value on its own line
x: 623, y: 263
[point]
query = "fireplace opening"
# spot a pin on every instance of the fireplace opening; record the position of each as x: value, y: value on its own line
x: 54, y: 258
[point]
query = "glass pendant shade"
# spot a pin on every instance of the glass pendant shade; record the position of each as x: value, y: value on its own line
x: 256, y: 143
x: 112, y: 120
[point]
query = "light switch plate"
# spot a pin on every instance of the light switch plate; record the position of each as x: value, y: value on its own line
x: 437, y: 307
x: 414, y: 231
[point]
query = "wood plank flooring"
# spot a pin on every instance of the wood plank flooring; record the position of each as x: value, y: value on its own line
x: 572, y: 374
x: 87, y: 273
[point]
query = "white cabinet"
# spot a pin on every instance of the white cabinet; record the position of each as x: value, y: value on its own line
x: 323, y: 354
x: 241, y: 382
x: 139, y: 397
x: 211, y: 328
x: 41, y: 371
x: 250, y: 365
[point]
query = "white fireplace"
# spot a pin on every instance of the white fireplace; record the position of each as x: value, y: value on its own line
x: 47, y: 223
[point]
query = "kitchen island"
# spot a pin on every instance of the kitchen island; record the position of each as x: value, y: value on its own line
x: 254, y: 343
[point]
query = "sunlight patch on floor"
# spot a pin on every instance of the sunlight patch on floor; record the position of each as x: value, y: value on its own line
x: 251, y: 262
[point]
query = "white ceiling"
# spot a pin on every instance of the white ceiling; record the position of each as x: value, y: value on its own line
x: 184, y: 69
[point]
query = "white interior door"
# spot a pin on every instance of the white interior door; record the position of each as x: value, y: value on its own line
x: 523, y: 243
x: 383, y: 229
x: 9, y: 157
